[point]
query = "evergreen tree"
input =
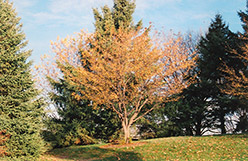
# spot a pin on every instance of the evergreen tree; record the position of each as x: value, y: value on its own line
x: 214, y: 49
x: 203, y: 107
x: 69, y: 127
x: 78, y: 123
x: 194, y: 114
x: 20, y: 111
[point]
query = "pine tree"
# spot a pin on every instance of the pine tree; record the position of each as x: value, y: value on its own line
x: 20, y: 111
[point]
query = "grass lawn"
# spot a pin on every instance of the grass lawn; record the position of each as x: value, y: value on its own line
x: 228, y: 147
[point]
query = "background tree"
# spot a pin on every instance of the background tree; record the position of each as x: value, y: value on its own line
x: 20, y: 111
x: 121, y: 15
x: 214, y: 49
x: 203, y: 107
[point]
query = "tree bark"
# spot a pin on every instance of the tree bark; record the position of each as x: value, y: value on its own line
x: 198, y: 129
x: 222, y: 124
x: 126, y: 129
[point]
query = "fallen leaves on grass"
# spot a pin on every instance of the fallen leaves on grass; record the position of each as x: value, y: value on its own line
x: 131, y: 145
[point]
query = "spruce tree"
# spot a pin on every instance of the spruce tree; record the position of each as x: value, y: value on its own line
x: 20, y: 111
x: 214, y: 50
x: 120, y: 16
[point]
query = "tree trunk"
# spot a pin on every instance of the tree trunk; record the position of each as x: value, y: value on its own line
x: 222, y: 124
x: 198, y: 128
x: 222, y: 121
x: 126, y: 128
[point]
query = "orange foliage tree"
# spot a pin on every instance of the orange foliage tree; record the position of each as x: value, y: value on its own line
x: 130, y: 73
x: 237, y: 80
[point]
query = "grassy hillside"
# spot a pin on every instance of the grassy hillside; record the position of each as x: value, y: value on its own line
x: 228, y: 147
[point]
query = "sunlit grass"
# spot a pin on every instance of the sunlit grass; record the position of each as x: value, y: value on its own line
x: 228, y: 147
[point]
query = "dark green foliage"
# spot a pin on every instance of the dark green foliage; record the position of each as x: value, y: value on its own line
x: 77, y: 122
x: 214, y: 50
x: 63, y: 135
x: 184, y: 117
x: 157, y: 124
x: 20, y: 111
x: 195, y: 105
x: 202, y: 105
x: 242, y: 125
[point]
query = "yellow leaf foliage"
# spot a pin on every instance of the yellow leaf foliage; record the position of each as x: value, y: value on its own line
x: 127, y: 70
x: 238, y: 80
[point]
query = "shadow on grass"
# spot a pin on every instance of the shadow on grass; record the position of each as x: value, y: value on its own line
x: 95, y: 153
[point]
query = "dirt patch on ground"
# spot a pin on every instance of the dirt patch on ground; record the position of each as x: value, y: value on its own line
x: 123, y: 145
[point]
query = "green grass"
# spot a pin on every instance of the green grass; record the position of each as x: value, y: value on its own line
x: 228, y: 147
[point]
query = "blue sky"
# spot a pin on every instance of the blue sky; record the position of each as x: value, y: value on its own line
x: 45, y: 20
